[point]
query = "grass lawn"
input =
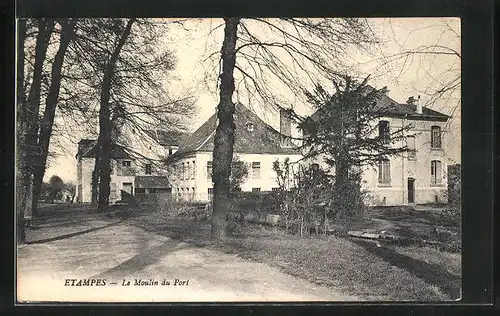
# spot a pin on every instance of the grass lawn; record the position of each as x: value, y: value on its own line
x: 415, y: 226
x: 356, y: 267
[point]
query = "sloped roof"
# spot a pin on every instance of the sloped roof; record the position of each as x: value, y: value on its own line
x: 167, y: 138
x: 152, y: 182
x: 390, y: 107
x: 87, y: 149
x: 262, y: 140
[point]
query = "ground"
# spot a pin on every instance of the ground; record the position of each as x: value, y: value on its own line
x: 78, y: 244
x: 256, y: 262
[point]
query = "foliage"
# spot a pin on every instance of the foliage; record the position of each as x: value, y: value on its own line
x: 305, y: 196
x: 344, y: 129
x: 239, y: 173
x: 55, y: 186
x: 70, y: 186
x: 344, y: 132
x: 310, y: 46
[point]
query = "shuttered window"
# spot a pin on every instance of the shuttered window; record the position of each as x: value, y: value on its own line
x: 384, y: 172
x: 384, y: 132
x: 412, y: 152
x: 436, y: 177
x: 209, y: 170
x: 256, y: 170
x: 436, y: 137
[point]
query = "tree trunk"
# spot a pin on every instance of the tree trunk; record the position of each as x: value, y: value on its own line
x: 224, y: 135
x: 95, y: 177
x: 21, y: 176
x: 104, y: 141
x: 32, y: 106
x: 67, y: 29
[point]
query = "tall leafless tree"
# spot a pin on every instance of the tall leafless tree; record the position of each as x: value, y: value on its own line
x: 104, y: 144
x: 21, y: 153
x: 45, y: 133
x: 27, y: 114
x: 294, y: 52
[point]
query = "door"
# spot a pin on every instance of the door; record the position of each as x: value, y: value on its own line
x: 126, y: 191
x: 411, y: 190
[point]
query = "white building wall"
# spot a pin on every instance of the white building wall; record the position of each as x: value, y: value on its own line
x: 202, y: 181
x: 402, y: 168
x: 87, y: 165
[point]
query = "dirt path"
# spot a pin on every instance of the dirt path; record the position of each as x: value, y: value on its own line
x: 84, y: 245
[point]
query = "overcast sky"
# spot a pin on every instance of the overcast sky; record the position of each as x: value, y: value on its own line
x: 193, y: 42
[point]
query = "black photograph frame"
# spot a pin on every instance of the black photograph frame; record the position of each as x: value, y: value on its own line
x: 478, y: 136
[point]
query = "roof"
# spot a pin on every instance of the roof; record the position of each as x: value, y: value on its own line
x: 262, y: 140
x: 167, y: 138
x: 87, y: 149
x: 390, y: 107
x: 152, y: 182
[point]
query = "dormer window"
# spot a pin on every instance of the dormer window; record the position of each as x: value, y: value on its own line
x: 126, y: 163
x: 250, y: 127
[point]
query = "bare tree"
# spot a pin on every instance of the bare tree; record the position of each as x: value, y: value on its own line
x: 66, y: 31
x: 435, y: 64
x: 21, y: 154
x: 104, y: 144
x: 138, y: 100
x: 293, y: 52
x: 27, y: 114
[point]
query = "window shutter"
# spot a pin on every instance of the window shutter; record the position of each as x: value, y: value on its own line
x: 438, y: 172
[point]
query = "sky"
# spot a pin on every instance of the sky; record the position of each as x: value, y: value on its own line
x: 194, y: 41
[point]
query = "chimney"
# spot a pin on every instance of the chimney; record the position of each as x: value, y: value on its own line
x: 285, y: 127
x: 419, y: 106
x: 411, y: 100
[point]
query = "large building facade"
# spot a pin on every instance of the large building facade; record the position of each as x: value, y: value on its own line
x: 132, y: 173
x: 417, y: 176
x: 184, y: 167
x: 257, y: 145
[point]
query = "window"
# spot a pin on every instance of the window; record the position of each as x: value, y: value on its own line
x: 188, y: 171
x: 384, y: 172
x: 255, y: 189
x: 192, y: 192
x: 435, y: 137
x: 126, y: 163
x: 384, y: 132
x: 193, y: 171
x: 170, y: 152
x: 435, y: 172
x: 256, y: 170
x: 140, y: 190
x: 210, y: 191
x: 412, y: 152
x: 183, y: 170
x: 209, y: 170
x: 148, y: 168
x: 275, y: 189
